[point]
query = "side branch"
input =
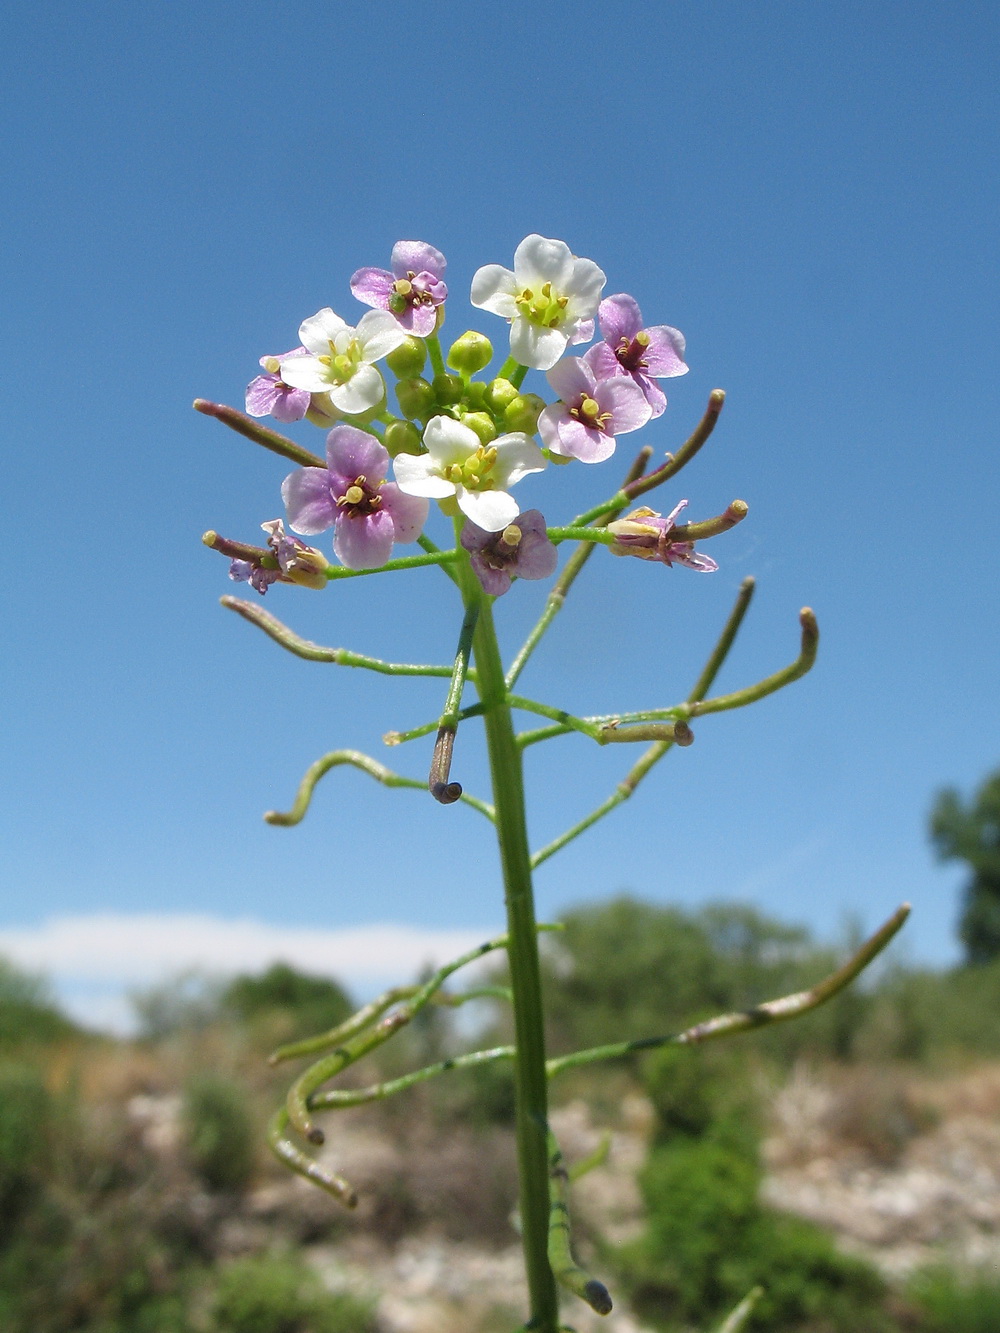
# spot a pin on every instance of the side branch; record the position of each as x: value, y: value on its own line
x: 367, y: 765
x: 253, y: 430
x: 314, y: 652
x: 739, y: 699
x: 748, y: 1020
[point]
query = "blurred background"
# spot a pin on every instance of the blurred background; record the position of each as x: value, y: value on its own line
x: 809, y: 193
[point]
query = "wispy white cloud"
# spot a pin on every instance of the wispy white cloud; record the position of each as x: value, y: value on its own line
x: 94, y: 961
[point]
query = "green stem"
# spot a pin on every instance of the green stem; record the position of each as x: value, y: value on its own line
x: 441, y: 788
x: 437, y: 359
x: 522, y: 949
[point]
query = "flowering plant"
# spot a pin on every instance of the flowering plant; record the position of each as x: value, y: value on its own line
x: 466, y: 442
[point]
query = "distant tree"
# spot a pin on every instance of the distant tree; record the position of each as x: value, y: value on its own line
x: 310, y: 1003
x: 971, y: 833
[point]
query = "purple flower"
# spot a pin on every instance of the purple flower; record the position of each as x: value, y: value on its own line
x: 412, y: 291
x: 522, y: 549
x: 592, y: 411
x: 297, y: 562
x: 245, y: 571
x: 629, y: 349
x: 368, y: 513
x: 646, y: 534
x: 269, y: 395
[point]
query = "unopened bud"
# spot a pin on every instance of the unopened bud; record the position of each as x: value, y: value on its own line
x: 499, y: 394
x: 416, y: 399
x: 470, y: 353
x: 482, y: 424
x: 447, y: 390
x: 402, y: 437
x: 407, y: 360
x: 523, y: 413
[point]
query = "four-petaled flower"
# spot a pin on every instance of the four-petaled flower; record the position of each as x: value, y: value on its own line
x: 269, y: 395
x: 340, y: 359
x: 646, y: 533
x: 413, y: 290
x: 592, y: 412
x: 629, y: 349
x: 458, y: 463
x: 368, y: 513
x: 550, y: 298
x: 521, y: 549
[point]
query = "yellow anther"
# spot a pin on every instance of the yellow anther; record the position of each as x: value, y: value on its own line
x: 472, y: 481
x: 511, y: 535
x: 454, y: 473
x: 546, y: 289
x: 562, y: 302
x: 326, y: 360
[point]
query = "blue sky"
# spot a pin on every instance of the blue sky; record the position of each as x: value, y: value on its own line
x: 808, y: 192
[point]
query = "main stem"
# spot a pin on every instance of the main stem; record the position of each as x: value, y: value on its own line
x: 529, y: 1062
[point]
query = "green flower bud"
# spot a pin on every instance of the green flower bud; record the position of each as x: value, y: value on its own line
x: 475, y: 396
x: 402, y: 437
x: 470, y: 353
x: 447, y: 390
x: 499, y: 393
x: 407, y: 360
x: 522, y: 412
x: 482, y: 423
x: 415, y: 398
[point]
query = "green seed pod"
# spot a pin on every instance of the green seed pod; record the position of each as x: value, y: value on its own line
x: 402, y: 437
x: 470, y: 353
x: 499, y: 393
x: 447, y: 390
x: 415, y: 398
x: 407, y: 360
x: 522, y: 413
x: 482, y: 424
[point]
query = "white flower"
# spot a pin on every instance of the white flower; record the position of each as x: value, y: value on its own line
x: 458, y: 463
x: 550, y: 298
x: 341, y: 358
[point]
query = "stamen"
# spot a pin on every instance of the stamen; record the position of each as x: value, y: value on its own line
x: 353, y: 495
x: 272, y: 365
x: 511, y: 535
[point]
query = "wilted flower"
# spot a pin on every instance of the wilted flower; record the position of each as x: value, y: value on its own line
x: 629, y: 349
x: 340, y: 359
x: 368, y: 513
x: 592, y: 412
x: 458, y: 463
x: 297, y: 562
x: 550, y: 299
x: 646, y: 533
x: 521, y: 549
x: 413, y: 290
x: 270, y: 395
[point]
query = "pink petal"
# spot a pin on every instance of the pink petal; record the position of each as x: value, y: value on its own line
x: 408, y: 512
x: 373, y: 286
x: 620, y: 317
x: 665, y: 354
x: 352, y: 453
x: 364, y: 542
x: 417, y: 257
x: 308, y: 500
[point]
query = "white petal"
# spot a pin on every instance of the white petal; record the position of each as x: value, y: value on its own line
x: 379, y: 333
x: 316, y: 332
x: 517, y: 455
x: 584, y: 288
x: 306, y: 372
x: 538, y: 348
x: 418, y: 476
x: 493, y: 289
x: 538, y: 260
x: 363, y: 390
x: 491, y: 510
x: 448, y: 441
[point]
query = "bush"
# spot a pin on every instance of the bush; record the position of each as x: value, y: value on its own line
x: 25, y: 1113
x: 280, y: 1294
x: 221, y: 1135
x: 307, y: 1004
x: 27, y: 1012
x: 953, y: 1303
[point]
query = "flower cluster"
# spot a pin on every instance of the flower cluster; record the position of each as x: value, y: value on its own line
x: 456, y: 439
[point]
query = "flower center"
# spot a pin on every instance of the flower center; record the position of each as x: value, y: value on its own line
x: 543, y: 308
x: 502, y: 551
x: 631, y: 354
x: 588, y: 413
x: 410, y: 291
x: 342, y: 365
x: 360, y: 498
x: 475, y: 473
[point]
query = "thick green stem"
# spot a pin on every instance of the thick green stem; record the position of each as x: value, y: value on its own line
x: 522, y: 950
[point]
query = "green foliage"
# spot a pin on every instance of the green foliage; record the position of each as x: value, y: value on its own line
x: 221, y: 1134
x: 971, y: 833
x: 281, y: 1294
x: 307, y: 1004
x: 953, y: 1303
x: 28, y: 1014
x: 25, y: 1115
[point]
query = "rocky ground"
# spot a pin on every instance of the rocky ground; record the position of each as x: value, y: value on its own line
x: 901, y: 1168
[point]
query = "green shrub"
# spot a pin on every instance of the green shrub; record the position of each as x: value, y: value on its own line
x: 307, y: 1004
x: 221, y: 1134
x: 280, y: 1294
x: 25, y: 1114
x: 954, y: 1303
x: 28, y: 1014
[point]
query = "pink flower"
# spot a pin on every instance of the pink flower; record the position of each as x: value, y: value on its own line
x: 368, y: 513
x: 412, y: 291
x: 269, y: 395
x: 644, y: 354
x: 592, y: 412
x: 646, y: 533
x: 521, y: 549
